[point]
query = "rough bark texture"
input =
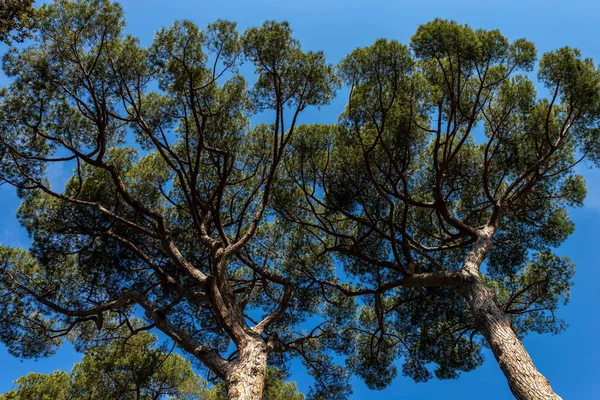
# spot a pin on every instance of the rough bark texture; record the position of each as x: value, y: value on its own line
x: 246, y: 378
x: 525, y: 381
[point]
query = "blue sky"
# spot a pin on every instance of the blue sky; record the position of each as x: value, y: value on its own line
x: 569, y: 360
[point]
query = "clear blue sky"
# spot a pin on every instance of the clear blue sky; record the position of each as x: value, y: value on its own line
x: 570, y: 360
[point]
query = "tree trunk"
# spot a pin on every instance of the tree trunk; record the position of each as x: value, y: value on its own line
x: 525, y: 381
x: 246, y: 378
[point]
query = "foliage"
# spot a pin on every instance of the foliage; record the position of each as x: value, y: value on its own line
x: 55, y: 386
x: 232, y: 237
x: 441, y: 143
x: 125, y: 369
x: 169, y: 206
x: 133, y: 367
x: 16, y: 18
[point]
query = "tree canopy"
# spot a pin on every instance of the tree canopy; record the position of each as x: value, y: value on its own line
x: 420, y: 227
x: 446, y: 155
x: 134, y: 367
x: 123, y: 369
x: 169, y: 204
x: 16, y: 20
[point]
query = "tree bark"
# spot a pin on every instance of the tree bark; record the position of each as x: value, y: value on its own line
x: 246, y: 378
x: 524, y: 380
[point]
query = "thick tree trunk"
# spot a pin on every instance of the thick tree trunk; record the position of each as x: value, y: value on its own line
x: 524, y: 380
x: 246, y: 378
